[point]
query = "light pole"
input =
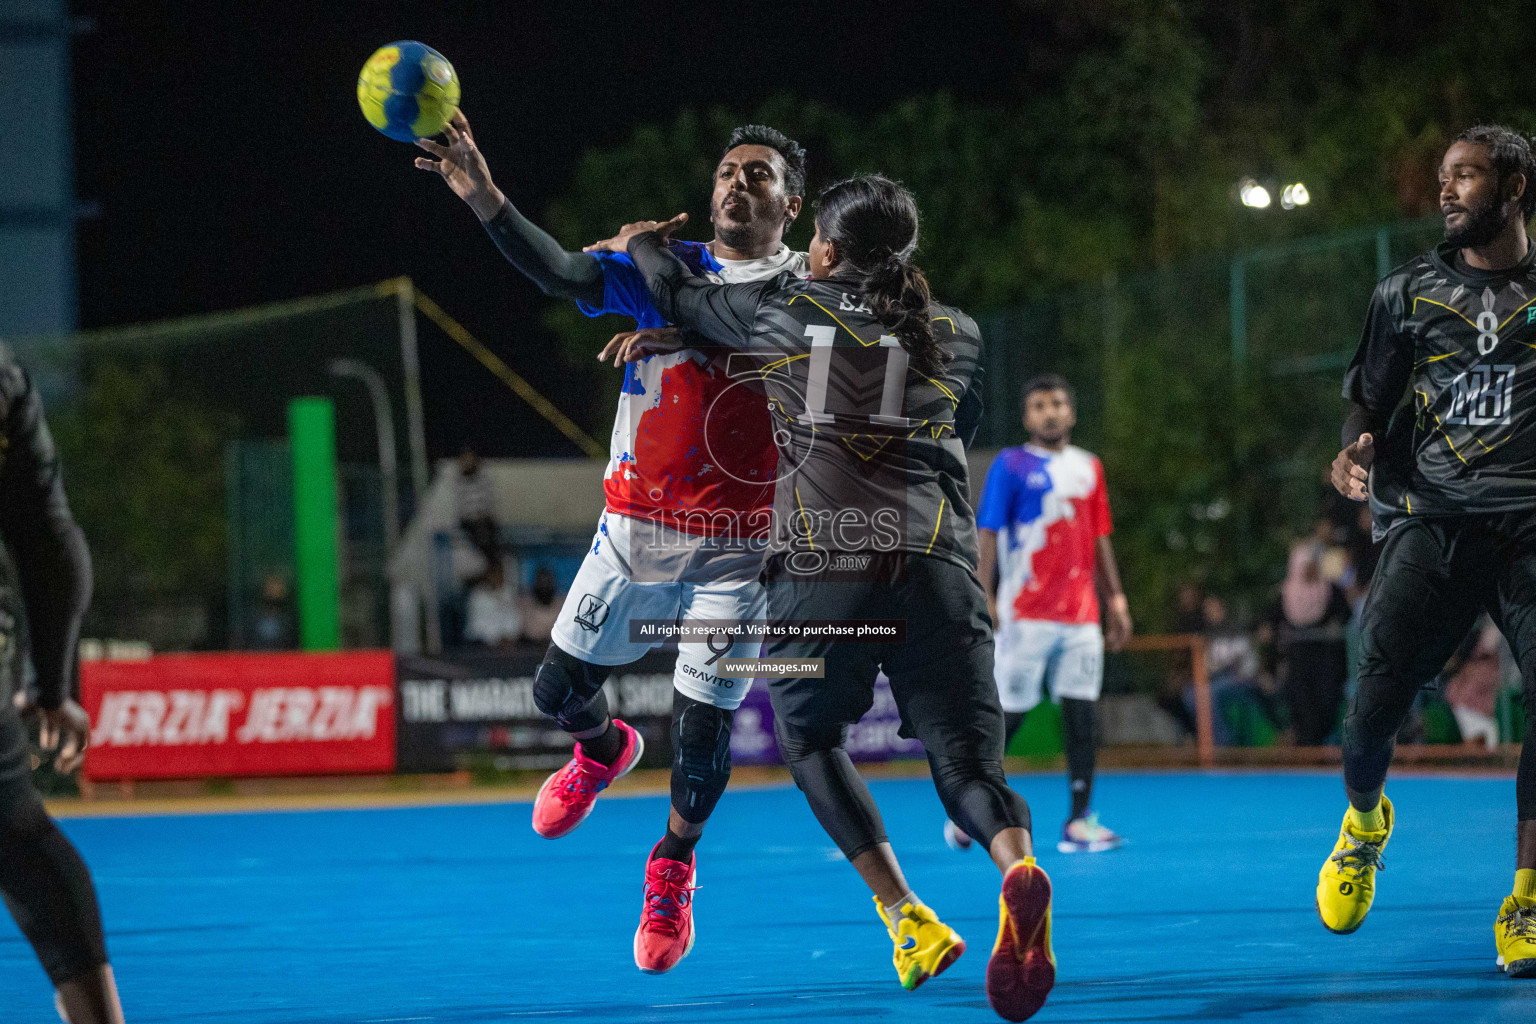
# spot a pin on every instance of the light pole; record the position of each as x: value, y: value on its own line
x: 1255, y: 196
x: 384, y: 424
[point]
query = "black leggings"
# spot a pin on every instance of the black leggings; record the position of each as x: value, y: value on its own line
x: 1314, y: 688
x: 973, y: 790
x: 48, y: 889
x: 1434, y: 577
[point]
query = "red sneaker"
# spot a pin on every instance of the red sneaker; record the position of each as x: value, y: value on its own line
x: 566, y: 798
x: 1023, y: 967
x: 666, y: 924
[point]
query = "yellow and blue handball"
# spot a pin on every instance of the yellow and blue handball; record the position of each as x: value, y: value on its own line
x: 408, y: 90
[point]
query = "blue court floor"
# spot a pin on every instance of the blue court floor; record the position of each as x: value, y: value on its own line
x: 458, y: 914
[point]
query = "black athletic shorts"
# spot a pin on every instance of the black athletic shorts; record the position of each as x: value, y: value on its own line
x: 1435, y: 576
x: 941, y: 675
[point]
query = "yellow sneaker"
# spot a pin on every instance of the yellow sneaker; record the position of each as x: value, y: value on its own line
x: 925, y: 946
x: 1514, y: 934
x: 1347, y: 884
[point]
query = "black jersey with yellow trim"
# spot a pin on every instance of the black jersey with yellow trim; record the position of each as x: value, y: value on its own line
x: 1451, y: 350
x: 871, y: 451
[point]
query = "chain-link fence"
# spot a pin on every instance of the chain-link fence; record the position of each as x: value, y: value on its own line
x: 173, y: 439
x: 1211, y: 391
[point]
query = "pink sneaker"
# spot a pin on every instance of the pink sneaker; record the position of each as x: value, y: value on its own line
x: 566, y: 798
x: 666, y: 932
x: 955, y: 836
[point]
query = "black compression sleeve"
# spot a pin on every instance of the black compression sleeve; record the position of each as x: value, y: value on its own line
x: 969, y: 411
x: 529, y: 248
x: 49, y: 550
x: 1360, y: 421
x: 723, y: 313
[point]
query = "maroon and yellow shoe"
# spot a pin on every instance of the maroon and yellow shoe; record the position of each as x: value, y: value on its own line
x: 567, y: 796
x: 666, y: 931
x: 1022, y: 970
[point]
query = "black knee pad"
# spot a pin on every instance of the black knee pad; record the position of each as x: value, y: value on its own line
x: 1374, y: 715
x: 48, y: 890
x: 701, y: 756
x: 1376, y: 711
x: 570, y: 690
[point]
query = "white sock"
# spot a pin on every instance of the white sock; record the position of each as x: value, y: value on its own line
x: 895, y: 911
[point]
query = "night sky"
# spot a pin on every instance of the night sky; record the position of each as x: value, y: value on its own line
x: 220, y: 147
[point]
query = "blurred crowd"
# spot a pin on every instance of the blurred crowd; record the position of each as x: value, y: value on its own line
x: 1282, y: 673
x: 500, y: 609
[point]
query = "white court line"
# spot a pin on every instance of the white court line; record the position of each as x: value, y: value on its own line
x: 537, y: 1013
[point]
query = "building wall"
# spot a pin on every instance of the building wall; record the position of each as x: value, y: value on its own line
x: 37, y: 193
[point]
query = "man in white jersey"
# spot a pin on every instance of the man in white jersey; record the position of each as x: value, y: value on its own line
x: 1046, y: 561
x: 689, y: 495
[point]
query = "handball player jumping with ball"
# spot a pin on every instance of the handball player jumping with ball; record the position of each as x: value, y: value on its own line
x: 689, y: 496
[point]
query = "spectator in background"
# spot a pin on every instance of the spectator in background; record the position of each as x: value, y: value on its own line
x: 273, y: 628
x: 1473, y: 690
x: 1314, y: 613
x: 1190, y: 618
x: 473, y: 505
x: 490, y: 614
x: 540, y: 608
x: 1332, y: 554
x: 1175, y: 693
x: 1232, y: 664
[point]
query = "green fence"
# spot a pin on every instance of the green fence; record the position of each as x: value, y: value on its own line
x: 1211, y: 391
x: 170, y: 434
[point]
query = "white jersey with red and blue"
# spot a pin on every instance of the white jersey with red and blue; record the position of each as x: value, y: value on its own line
x: 691, y: 447
x: 1049, y: 510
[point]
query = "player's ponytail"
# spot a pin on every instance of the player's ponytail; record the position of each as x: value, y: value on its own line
x: 873, y: 223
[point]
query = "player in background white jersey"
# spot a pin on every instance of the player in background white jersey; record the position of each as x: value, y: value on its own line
x: 1048, y: 567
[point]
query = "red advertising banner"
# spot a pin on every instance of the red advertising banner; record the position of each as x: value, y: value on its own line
x: 190, y: 715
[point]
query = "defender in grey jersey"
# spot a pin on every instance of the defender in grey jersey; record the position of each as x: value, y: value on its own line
x: 872, y: 451
x: 1441, y: 437
x: 871, y: 386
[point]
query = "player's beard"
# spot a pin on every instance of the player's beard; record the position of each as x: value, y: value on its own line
x: 1482, y: 225
x: 748, y: 234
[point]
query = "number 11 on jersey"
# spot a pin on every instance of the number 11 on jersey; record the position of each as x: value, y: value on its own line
x: 892, y: 393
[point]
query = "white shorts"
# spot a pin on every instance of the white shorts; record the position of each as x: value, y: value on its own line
x: 638, y: 569
x: 1029, y: 650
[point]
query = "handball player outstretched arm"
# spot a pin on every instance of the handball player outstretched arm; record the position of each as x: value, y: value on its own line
x: 52, y: 563
x: 570, y: 275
